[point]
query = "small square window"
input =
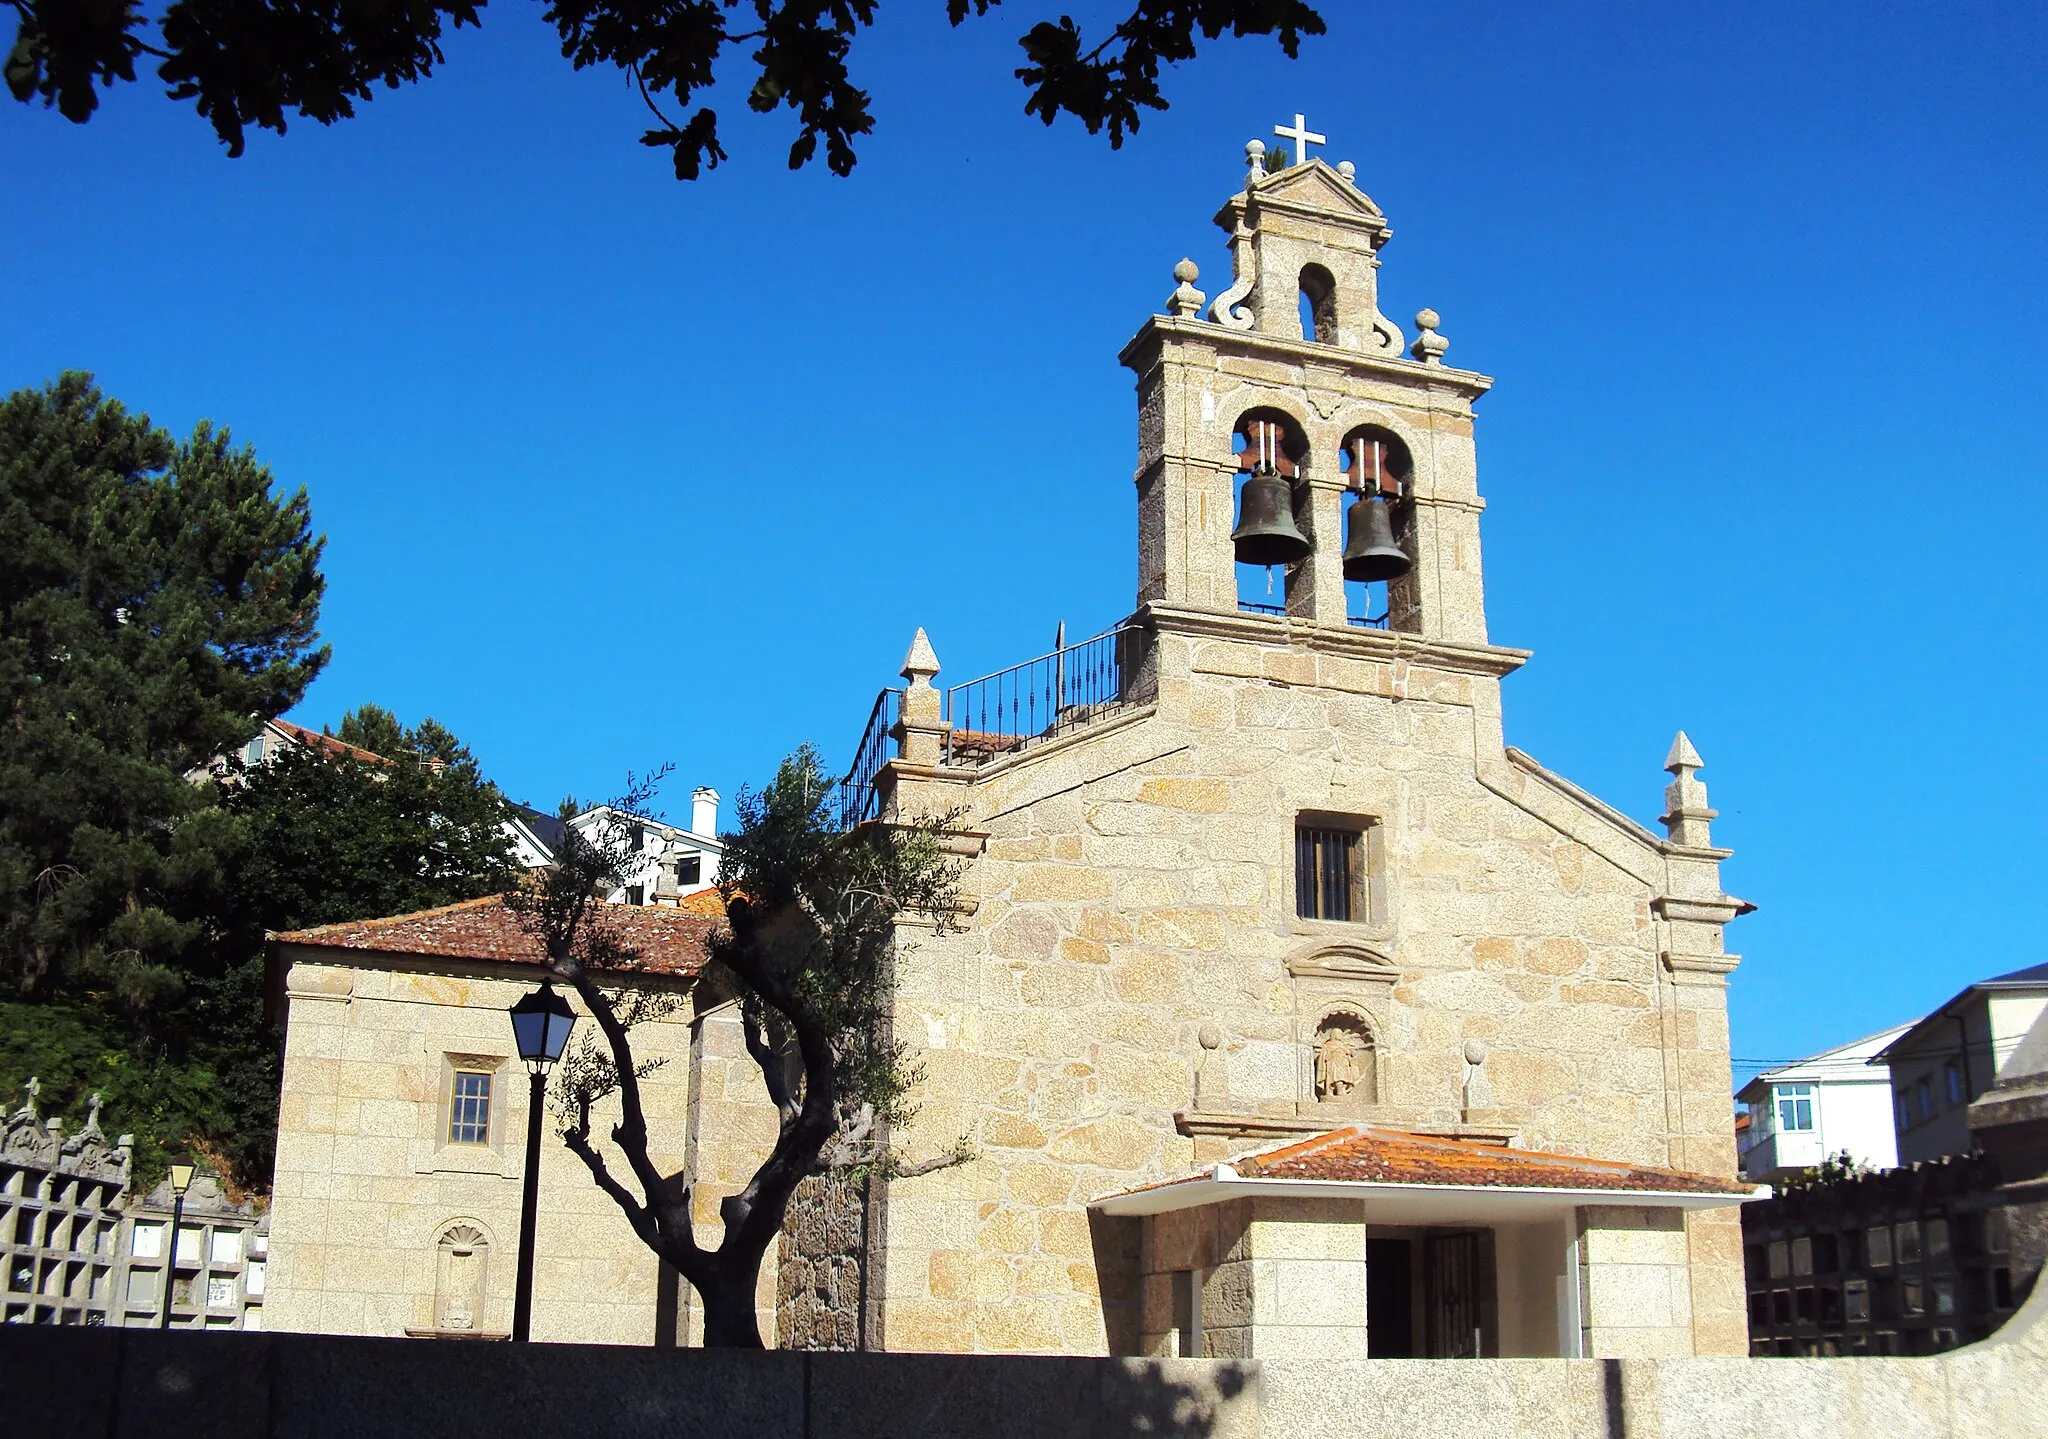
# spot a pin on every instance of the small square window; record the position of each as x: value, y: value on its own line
x: 469, y: 1110
x: 690, y: 869
x: 1329, y: 873
x: 1952, y: 1081
x: 636, y: 894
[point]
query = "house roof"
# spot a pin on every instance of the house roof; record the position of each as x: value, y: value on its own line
x: 670, y: 941
x: 545, y: 828
x: 1850, y: 1063
x: 2034, y: 976
x: 314, y: 739
x: 1365, y: 1161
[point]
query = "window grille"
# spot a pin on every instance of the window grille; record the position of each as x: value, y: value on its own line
x: 1328, y: 873
x: 469, y: 1116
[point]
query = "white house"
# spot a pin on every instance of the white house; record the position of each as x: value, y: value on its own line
x: 674, y: 861
x: 1838, y: 1101
x: 1949, y: 1058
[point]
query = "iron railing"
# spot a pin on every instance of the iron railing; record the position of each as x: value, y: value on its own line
x: 1000, y: 714
x: 1363, y: 622
x: 855, y: 793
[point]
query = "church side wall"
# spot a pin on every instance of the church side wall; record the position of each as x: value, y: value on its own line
x: 1137, y: 887
x: 365, y: 1191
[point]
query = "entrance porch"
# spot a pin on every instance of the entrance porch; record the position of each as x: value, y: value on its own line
x: 1366, y: 1243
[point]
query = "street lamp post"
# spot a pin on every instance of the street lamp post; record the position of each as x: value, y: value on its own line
x: 181, y: 1180
x: 540, y: 1028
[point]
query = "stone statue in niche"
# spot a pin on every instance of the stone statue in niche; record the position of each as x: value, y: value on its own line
x: 1344, y: 1062
x: 1476, y: 1092
x: 459, y: 1286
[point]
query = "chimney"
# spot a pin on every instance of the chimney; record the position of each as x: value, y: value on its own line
x: 704, y: 812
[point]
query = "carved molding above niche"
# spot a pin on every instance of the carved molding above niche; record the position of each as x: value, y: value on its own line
x: 1345, y: 963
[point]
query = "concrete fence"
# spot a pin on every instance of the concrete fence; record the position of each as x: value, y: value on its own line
x: 77, y: 1383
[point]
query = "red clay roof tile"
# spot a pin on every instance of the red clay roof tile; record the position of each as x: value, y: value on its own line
x: 670, y: 941
x: 1389, y: 1156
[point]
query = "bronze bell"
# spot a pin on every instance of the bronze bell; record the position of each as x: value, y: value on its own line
x: 1266, y: 533
x: 1371, y: 553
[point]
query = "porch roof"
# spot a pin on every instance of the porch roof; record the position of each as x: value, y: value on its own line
x: 1422, y: 1178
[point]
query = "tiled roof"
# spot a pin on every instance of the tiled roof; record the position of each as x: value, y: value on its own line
x: 1361, y: 1154
x: 314, y: 739
x: 704, y: 901
x: 670, y: 941
x: 1389, y: 1156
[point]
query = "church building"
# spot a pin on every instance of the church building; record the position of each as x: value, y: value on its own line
x: 1294, y: 1011
x: 1289, y: 1010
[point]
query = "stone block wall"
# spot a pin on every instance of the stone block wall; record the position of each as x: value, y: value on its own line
x: 1136, y: 888
x: 823, y: 1266
x: 366, y: 1191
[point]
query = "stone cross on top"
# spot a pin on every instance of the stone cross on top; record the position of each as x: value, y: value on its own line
x: 1301, y: 135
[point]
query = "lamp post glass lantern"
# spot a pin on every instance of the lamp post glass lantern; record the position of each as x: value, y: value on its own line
x: 541, y: 1022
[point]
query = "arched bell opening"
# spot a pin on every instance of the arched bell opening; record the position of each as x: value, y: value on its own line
x: 1318, y: 305
x: 1379, y: 551
x: 1272, y: 533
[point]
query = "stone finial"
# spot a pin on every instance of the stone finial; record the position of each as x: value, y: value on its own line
x: 1475, y: 1092
x: 1686, y: 815
x: 1348, y: 170
x: 1186, y: 301
x: 1255, y: 159
x: 1212, y: 1073
x: 33, y: 1088
x: 1429, y: 346
x: 922, y: 662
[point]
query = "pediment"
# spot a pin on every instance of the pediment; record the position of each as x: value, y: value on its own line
x: 1316, y: 186
x: 1358, y: 963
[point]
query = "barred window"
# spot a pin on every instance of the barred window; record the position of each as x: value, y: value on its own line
x: 1329, y: 873
x: 469, y: 1113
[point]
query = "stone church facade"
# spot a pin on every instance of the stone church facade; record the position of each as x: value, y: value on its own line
x: 1289, y: 1010
x: 1151, y: 975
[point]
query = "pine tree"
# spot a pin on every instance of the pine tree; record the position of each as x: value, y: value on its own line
x: 157, y: 603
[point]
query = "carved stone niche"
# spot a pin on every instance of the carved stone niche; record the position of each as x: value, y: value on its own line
x: 1343, y: 1010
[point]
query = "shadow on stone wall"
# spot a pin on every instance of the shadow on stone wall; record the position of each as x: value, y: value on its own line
x: 113, y: 1383
x: 77, y: 1383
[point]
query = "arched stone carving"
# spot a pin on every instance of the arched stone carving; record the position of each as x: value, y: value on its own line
x: 461, y: 1270
x: 1346, y: 1060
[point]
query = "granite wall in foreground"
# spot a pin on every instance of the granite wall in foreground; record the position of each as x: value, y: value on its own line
x: 99, y: 1383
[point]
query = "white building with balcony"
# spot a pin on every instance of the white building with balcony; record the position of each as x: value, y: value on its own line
x: 673, y: 862
x: 1835, y: 1102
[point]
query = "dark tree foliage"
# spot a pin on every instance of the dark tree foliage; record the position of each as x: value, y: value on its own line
x: 808, y: 954
x: 258, y: 62
x: 157, y: 603
x: 326, y: 836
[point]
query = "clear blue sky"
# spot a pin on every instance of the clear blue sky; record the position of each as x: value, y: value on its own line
x: 615, y: 469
